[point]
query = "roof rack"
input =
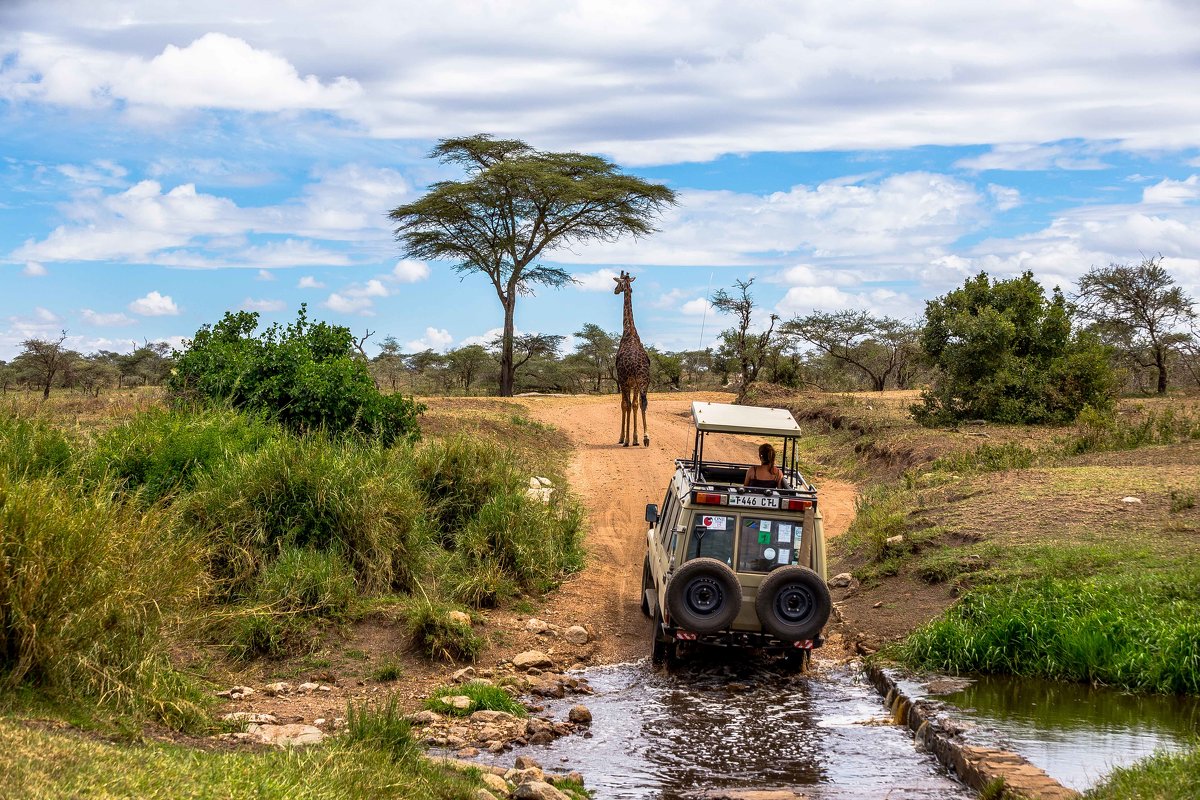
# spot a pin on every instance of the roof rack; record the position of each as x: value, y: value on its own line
x: 745, y: 420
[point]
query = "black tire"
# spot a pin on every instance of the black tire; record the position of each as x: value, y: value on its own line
x: 793, y: 604
x: 704, y: 596
x: 646, y: 584
x: 797, y: 660
x: 663, y: 647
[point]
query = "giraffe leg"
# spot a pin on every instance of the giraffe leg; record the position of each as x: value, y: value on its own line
x: 645, y: 427
x: 625, y: 411
x: 633, y: 414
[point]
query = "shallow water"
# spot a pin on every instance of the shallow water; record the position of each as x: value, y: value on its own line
x: 1076, y: 733
x: 668, y: 736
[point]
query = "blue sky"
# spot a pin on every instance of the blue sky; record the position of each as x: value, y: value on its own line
x: 163, y: 163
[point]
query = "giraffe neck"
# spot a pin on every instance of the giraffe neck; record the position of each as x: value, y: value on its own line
x: 627, y: 321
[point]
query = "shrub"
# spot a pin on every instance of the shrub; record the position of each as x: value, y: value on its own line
x: 344, y: 497
x: 307, y: 375
x: 160, y: 451
x: 437, y: 637
x: 458, y: 475
x: 86, y: 588
x: 484, y: 697
x: 1100, y: 430
x: 33, y: 448
x: 382, y: 727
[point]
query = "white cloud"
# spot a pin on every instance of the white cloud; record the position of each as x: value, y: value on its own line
x: 99, y: 172
x: 599, y: 281
x: 263, y: 306
x: 106, y: 320
x: 410, y: 271
x: 349, y: 305
x: 34, y: 269
x: 696, y: 308
x: 265, y: 275
x: 154, y: 305
x: 309, y: 282
x: 434, y: 339
x: 45, y: 316
x: 486, y: 338
x: 1024, y: 157
x: 1169, y: 192
x: 1005, y: 197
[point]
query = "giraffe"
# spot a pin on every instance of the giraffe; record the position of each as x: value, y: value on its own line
x: 633, y: 369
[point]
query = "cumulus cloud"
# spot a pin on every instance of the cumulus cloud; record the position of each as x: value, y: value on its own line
x: 437, y: 339
x: 1005, y: 197
x: 599, y: 281
x: 265, y: 275
x: 697, y: 307
x: 154, y: 305
x: 309, y: 282
x: 410, y: 271
x: 263, y: 306
x: 358, y: 298
x: 1025, y: 157
x: 34, y: 269
x: 1169, y: 192
x: 106, y: 320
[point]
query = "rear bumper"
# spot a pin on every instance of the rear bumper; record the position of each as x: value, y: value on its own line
x: 743, y: 639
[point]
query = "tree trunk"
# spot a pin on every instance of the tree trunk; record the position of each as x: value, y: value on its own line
x: 877, y: 383
x: 46, y: 389
x: 1160, y: 361
x: 506, y: 352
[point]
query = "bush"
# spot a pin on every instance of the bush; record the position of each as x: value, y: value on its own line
x: 307, y: 375
x: 458, y: 476
x: 347, y: 498
x: 86, y: 585
x: 1099, y: 430
x: 33, y: 448
x: 159, y: 451
x: 484, y: 697
x: 439, y: 638
x: 1004, y: 353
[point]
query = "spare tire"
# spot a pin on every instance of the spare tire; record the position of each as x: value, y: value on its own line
x: 793, y: 604
x: 704, y: 596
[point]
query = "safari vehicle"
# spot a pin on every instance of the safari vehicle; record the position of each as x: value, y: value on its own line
x: 730, y: 565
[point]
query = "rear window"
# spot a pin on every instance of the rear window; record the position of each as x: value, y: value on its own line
x: 712, y: 537
x: 766, y: 544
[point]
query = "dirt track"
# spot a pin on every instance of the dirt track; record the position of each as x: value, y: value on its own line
x: 615, y: 483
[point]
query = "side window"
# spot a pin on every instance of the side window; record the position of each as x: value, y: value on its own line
x: 666, y: 516
x: 767, y: 544
x: 712, y: 537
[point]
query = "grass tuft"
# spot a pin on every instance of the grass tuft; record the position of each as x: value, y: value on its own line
x: 484, y: 697
x: 439, y: 638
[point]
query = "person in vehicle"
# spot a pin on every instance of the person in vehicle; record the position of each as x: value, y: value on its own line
x: 766, y: 475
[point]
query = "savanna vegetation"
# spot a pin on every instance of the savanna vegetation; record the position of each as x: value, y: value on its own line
x: 272, y: 497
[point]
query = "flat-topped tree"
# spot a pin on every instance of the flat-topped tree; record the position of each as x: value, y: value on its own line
x: 516, y: 205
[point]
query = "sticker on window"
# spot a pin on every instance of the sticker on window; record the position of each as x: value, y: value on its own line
x: 784, y: 532
x: 714, y: 523
x: 764, y: 525
x: 785, y: 556
x: 769, y: 553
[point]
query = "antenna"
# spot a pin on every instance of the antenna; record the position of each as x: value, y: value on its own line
x: 704, y: 319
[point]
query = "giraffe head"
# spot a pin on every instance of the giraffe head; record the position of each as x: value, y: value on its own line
x: 623, y: 282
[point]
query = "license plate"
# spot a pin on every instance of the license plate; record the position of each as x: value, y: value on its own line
x: 753, y: 501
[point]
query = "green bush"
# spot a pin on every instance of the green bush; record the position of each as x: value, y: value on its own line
x: 307, y: 375
x: 343, y: 497
x: 437, y: 637
x: 86, y: 587
x: 33, y: 448
x: 1003, y: 352
x: 484, y: 697
x: 159, y: 451
x: 1138, y: 632
x: 1100, y: 430
x: 458, y: 475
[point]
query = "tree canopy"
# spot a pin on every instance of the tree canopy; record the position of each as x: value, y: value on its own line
x: 880, y: 347
x: 516, y: 205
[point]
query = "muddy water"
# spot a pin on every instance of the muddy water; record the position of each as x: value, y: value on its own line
x: 1076, y: 733
x: 668, y: 736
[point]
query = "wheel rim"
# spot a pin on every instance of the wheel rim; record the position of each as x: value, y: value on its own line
x: 795, y: 603
x: 704, y: 597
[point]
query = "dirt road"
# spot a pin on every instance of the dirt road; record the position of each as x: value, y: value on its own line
x: 615, y: 484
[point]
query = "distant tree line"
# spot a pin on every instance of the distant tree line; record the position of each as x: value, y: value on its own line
x: 45, y: 364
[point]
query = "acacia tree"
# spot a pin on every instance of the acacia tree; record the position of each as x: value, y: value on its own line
x: 750, y: 350
x: 880, y: 347
x: 1138, y: 309
x: 597, y: 349
x: 516, y: 205
x: 467, y: 362
x: 42, y: 359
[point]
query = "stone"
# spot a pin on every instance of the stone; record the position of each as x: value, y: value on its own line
x: 236, y: 692
x: 460, y: 618
x: 538, y: 790
x: 534, y: 483
x: 496, y: 747
x: 425, y: 718
x: 544, y: 481
x: 893, y: 541
x: 536, y: 725
x: 276, y: 689
x: 307, y: 686
x: 463, y: 675
x: 495, y: 783
x: 247, y: 717
x: 576, y: 634
x: 576, y: 777
x: 487, y: 715
x: 541, y: 737
x: 549, y: 688
x: 286, y: 735
x: 526, y: 775
x: 842, y: 580
x: 580, y: 715
x: 483, y: 794
x: 319, y: 722
x: 1131, y: 501
x: 878, y: 604
x: 541, y: 494
x: 324, y: 688
x: 459, y: 702
x: 535, y: 625
x: 526, y: 762
x: 532, y: 658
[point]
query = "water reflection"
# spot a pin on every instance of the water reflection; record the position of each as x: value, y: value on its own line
x: 1076, y: 732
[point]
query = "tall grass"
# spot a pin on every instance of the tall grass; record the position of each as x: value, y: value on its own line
x: 87, y: 586
x: 1098, y: 431
x: 346, y: 497
x: 159, y: 452
x: 1135, y: 632
x: 33, y: 448
x: 438, y: 637
x: 458, y: 476
x: 1162, y: 776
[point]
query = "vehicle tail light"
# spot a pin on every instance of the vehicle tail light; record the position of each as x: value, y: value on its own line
x: 709, y: 498
x: 796, y: 505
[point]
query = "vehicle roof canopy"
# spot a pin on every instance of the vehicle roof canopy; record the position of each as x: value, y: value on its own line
x: 726, y: 418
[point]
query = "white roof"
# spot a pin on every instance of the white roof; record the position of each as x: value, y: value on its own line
x: 726, y: 418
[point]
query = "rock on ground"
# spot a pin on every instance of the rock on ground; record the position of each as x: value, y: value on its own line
x: 576, y: 634
x: 532, y: 658
x: 538, y: 790
x: 285, y: 735
x: 581, y: 715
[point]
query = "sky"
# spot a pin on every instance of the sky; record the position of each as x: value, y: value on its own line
x: 162, y: 162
